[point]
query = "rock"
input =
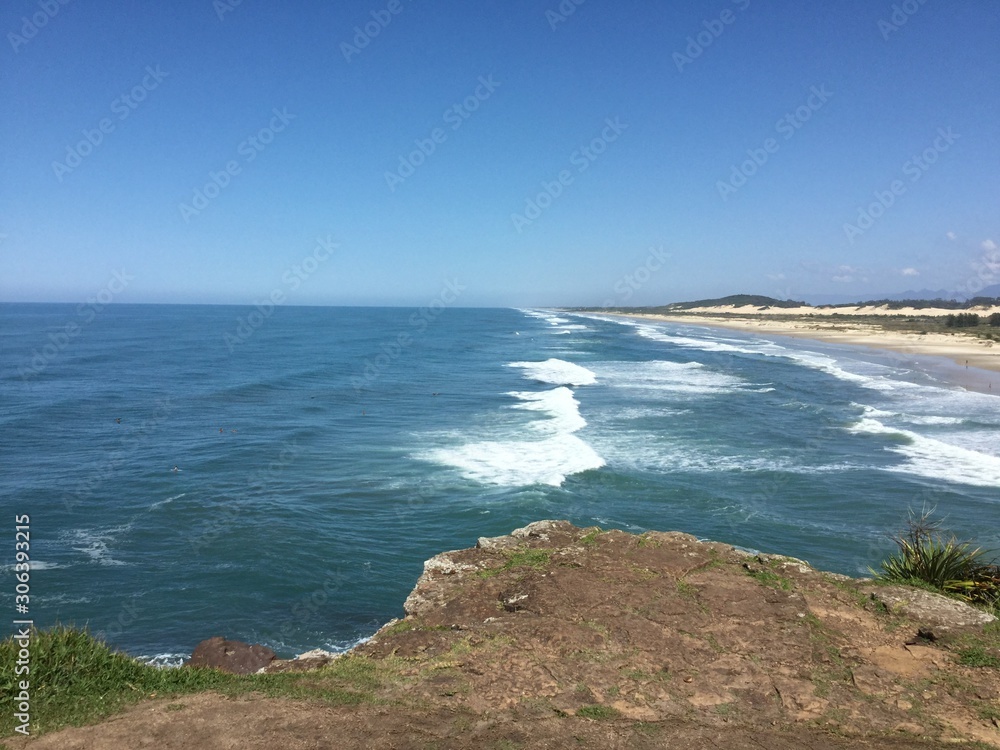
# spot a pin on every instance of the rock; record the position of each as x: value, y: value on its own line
x: 231, y: 656
x: 308, y: 661
x: 934, y: 612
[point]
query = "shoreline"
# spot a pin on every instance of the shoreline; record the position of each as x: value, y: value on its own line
x: 972, y: 363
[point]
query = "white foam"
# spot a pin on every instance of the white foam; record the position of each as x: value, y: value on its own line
x: 557, y: 372
x: 681, y: 378
x: 515, y: 463
x: 164, y: 661
x: 650, y: 452
x: 94, y: 543
x: 760, y: 347
x: 42, y: 565
x: 33, y: 565
x: 708, y: 344
x: 935, y: 459
x: 168, y: 500
x: 559, y: 405
x: 918, y: 419
x: 545, y: 453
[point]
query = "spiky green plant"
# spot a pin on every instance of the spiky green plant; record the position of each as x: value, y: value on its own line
x: 925, y: 555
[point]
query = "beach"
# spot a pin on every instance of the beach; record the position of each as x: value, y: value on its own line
x: 821, y: 325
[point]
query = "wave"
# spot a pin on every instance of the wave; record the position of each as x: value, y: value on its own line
x: 164, y: 661
x: 685, y: 378
x: 546, y: 453
x: 33, y: 565
x: 764, y: 348
x: 920, y: 419
x: 559, y: 405
x: 168, y: 500
x: 557, y: 372
x: 648, y: 455
x: 94, y: 543
x: 934, y: 459
x: 516, y: 463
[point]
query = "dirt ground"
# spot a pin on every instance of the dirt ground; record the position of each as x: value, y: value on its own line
x: 559, y: 637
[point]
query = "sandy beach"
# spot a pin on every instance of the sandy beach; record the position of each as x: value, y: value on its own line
x: 817, y: 323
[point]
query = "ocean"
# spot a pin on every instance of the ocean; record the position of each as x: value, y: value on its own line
x: 279, y: 476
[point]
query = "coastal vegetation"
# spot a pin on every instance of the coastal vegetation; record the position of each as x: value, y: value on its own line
x: 77, y: 679
x: 927, y: 557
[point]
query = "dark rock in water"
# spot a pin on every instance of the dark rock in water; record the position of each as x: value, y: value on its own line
x: 231, y: 656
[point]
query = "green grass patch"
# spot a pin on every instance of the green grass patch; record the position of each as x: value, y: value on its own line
x: 645, y: 540
x: 770, y: 578
x: 590, y: 538
x: 525, y: 558
x: 988, y: 712
x: 76, y: 680
x: 977, y: 656
x: 597, y: 712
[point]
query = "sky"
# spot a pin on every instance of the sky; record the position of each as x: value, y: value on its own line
x: 514, y: 153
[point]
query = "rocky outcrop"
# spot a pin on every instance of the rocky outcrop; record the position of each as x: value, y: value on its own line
x: 231, y: 656
x: 663, y: 627
x: 555, y: 636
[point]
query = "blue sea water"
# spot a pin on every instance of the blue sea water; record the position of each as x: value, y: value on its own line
x: 322, y: 454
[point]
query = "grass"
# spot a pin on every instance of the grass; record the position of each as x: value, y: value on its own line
x: 77, y: 680
x: 590, y: 538
x: 597, y: 712
x: 525, y: 558
x: 645, y: 540
x: 687, y: 590
x: 988, y: 712
x: 977, y: 656
x: 770, y: 578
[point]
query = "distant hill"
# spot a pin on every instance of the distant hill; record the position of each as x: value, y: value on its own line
x: 737, y: 300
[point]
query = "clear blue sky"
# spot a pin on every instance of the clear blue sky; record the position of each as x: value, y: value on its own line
x: 886, y: 93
